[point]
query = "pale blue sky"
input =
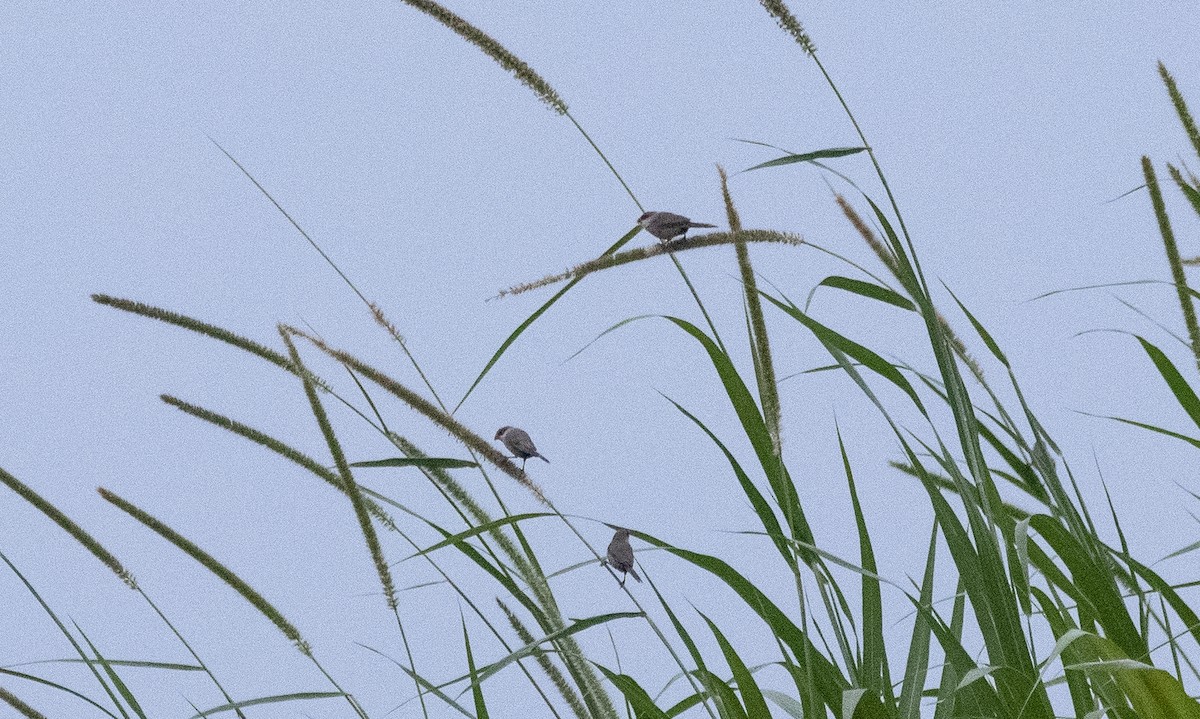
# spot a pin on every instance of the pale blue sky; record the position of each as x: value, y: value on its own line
x: 435, y: 180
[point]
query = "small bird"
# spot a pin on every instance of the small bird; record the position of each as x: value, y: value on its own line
x: 620, y: 555
x: 518, y: 442
x: 668, y: 226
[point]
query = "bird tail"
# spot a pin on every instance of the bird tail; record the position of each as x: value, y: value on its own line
x: 543, y: 459
x: 699, y: 224
x: 633, y: 573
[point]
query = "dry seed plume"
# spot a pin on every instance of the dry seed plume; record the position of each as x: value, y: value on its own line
x: 711, y: 239
x: 494, y: 50
x: 786, y: 20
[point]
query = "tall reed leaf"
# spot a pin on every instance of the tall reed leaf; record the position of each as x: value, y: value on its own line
x: 752, y: 698
x: 481, y: 711
x: 643, y: 705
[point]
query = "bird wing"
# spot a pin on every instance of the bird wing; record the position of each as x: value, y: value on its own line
x: 621, y: 554
x: 522, y: 442
x: 671, y: 221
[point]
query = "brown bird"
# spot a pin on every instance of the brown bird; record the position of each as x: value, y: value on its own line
x: 620, y: 555
x: 518, y: 442
x: 668, y: 226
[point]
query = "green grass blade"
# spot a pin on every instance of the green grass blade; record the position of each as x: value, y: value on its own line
x: 428, y: 686
x: 752, y: 698
x: 533, y: 318
x: 765, y: 514
x: 697, y: 656
x: 481, y: 711
x: 852, y: 349
x: 260, y: 701
x: 807, y: 157
x: 785, y: 702
x: 1107, y: 285
x: 1179, y: 387
x: 725, y: 698
x: 643, y: 706
x: 529, y: 649
x: 479, y: 529
x: 829, y: 681
x: 171, y: 666
x: 975, y: 698
x: 66, y: 633
x: 984, y: 335
x: 1158, y: 584
x: 917, y: 667
x: 1152, y: 692
x: 1096, y: 582
x: 873, y: 675
x: 1190, y: 440
x: 438, y: 462
x: 115, y: 678
x: 756, y: 430
x: 499, y: 573
x: 946, y: 696
x: 869, y: 290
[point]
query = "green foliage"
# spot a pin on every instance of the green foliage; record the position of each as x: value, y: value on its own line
x: 1041, y: 598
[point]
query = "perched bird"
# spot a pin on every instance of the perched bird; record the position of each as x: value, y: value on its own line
x: 668, y: 226
x: 518, y: 442
x: 620, y: 555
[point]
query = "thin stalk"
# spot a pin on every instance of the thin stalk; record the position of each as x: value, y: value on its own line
x: 679, y: 267
x: 184, y: 642
x: 376, y: 312
x: 66, y: 633
x: 600, y: 152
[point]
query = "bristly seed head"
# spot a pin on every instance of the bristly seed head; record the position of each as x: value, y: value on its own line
x: 787, y: 21
x: 495, y: 50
